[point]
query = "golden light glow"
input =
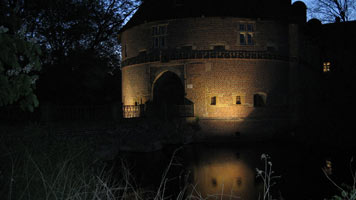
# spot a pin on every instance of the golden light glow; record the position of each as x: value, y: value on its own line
x: 326, y: 66
x: 226, y: 180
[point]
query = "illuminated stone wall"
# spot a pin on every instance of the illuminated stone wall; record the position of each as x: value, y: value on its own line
x: 223, y: 78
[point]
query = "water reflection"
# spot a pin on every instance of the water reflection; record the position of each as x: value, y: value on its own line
x: 221, y: 174
x: 214, y: 170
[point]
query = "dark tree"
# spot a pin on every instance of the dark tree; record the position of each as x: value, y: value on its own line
x: 331, y: 10
x: 19, y: 61
x: 81, y: 53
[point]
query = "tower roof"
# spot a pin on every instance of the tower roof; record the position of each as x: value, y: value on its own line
x: 154, y: 10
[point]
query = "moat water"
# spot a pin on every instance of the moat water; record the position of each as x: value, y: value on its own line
x: 228, y: 171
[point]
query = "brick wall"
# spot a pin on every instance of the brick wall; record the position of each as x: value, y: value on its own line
x: 204, y: 33
x: 223, y: 78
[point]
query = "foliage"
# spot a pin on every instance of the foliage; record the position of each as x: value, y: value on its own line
x: 19, y: 62
x: 81, y: 53
x: 329, y: 10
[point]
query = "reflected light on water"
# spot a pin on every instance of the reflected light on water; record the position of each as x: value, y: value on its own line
x: 224, y: 179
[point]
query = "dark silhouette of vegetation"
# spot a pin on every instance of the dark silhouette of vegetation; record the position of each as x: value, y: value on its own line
x: 19, y: 65
x: 81, y: 53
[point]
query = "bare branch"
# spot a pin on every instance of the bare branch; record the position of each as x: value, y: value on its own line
x: 329, y: 10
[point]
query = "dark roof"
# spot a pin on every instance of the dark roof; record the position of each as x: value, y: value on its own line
x: 153, y: 10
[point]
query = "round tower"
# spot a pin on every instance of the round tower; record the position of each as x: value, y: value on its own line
x: 226, y: 60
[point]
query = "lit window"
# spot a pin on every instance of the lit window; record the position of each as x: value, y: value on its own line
x: 246, y: 34
x: 213, y: 101
x: 326, y: 66
x: 159, y: 36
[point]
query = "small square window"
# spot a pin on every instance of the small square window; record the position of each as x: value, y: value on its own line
x: 242, y: 27
x: 242, y: 39
x: 213, y: 101
x: 238, y: 99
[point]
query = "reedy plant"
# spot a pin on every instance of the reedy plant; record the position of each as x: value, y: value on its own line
x: 268, y: 177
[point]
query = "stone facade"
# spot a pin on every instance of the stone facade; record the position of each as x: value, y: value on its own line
x: 230, y: 67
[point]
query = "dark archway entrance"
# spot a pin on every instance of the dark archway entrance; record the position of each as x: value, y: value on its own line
x: 168, y: 91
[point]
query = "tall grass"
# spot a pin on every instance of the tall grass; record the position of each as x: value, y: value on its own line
x: 51, y: 168
x: 40, y: 166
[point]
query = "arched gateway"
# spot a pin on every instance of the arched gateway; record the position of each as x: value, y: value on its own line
x: 168, y: 92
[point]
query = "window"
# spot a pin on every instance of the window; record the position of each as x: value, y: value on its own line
x: 159, y: 36
x: 213, y: 101
x: 238, y: 99
x: 242, y: 27
x: 326, y: 67
x: 246, y: 34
